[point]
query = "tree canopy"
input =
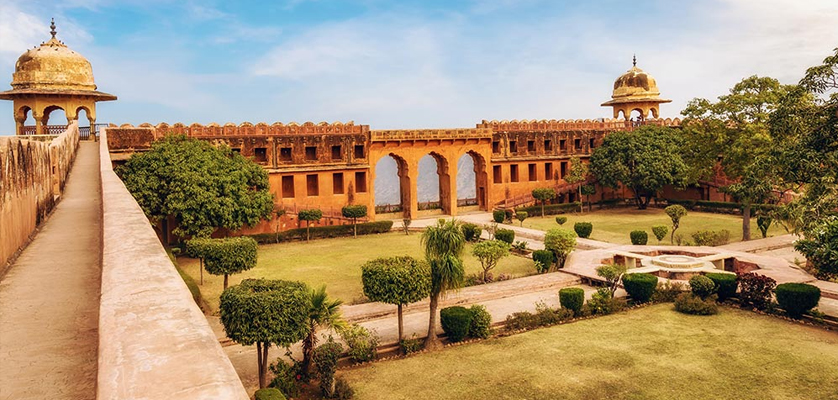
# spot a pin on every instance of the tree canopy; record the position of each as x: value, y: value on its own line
x: 645, y: 161
x: 489, y: 253
x: 396, y: 280
x: 228, y: 256
x: 561, y: 242
x: 203, y: 187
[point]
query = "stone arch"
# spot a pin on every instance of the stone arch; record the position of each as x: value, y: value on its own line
x: 383, y: 199
x: 47, y: 115
x: 480, y: 186
x: 443, y: 199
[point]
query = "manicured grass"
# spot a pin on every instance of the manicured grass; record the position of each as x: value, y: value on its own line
x: 336, y: 263
x: 614, y: 226
x: 651, y: 353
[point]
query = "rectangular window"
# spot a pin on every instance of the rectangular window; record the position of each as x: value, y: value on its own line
x: 548, y: 171
x: 563, y: 145
x: 532, y: 172
x: 577, y: 143
x: 531, y: 146
x: 564, y: 169
x: 312, y: 185
x: 496, y: 147
x: 311, y: 153
x: 548, y: 145
x: 284, y: 154
x: 591, y: 144
x: 361, y: 182
x: 513, y: 147
x: 288, y: 187
x: 336, y: 153
x: 337, y: 183
x: 359, y: 151
x: 513, y: 173
x: 496, y: 174
x: 260, y: 154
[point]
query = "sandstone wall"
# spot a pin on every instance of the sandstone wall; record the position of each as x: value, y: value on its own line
x: 154, y: 342
x: 32, y: 175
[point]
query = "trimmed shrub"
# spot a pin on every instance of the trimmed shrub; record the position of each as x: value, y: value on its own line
x: 506, y: 235
x: 797, y: 298
x: 583, y: 229
x: 725, y: 284
x: 342, y: 390
x: 689, y: 303
x: 551, y: 209
x: 601, y: 303
x: 711, y: 238
x: 639, y: 237
x: 481, y: 322
x: 702, y: 286
x: 572, y: 298
x: 323, y: 232
x: 521, y: 216
x: 498, y: 216
x: 411, y: 345
x: 285, y: 377
x: 561, y: 220
x: 362, y: 343
x: 543, y: 316
x: 668, y: 291
x: 229, y: 256
x: 755, y: 290
x: 326, y: 359
x: 456, y: 322
x: 543, y: 259
x: 269, y: 394
x: 640, y: 286
x: 660, y: 231
x: 471, y: 231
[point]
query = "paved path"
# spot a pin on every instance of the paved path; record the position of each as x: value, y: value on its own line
x: 49, y: 299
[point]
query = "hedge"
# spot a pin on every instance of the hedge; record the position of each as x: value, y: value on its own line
x: 481, y: 322
x: 471, y: 231
x: 583, y: 229
x: 550, y: 209
x: 640, y: 286
x: 725, y: 284
x: 499, y: 216
x: 572, y: 299
x: 323, y: 232
x: 456, y: 322
x: 545, y: 258
x: 506, y: 235
x: 639, y: 238
x: 269, y: 394
x: 797, y: 298
x: 719, y: 205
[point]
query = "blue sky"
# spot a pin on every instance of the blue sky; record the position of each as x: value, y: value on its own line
x: 412, y: 64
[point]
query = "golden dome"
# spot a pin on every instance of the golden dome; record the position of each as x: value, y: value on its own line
x: 635, y: 86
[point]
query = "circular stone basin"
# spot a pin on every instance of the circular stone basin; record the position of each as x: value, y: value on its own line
x: 678, y: 261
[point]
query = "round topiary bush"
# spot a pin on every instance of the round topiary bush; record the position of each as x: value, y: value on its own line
x: 640, y: 286
x: 269, y: 394
x: 660, y: 231
x: 561, y: 220
x: 725, y: 284
x: 544, y: 260
x: 797, y: 298
x: 583, y: 229
x: 456, y: 322
x: 481, y: 322
x: 506, y: 235
x: 498, y: 216
x: 639, y: 237
x: 471, y: 231
x: 572, y: 298
x: 702, y: 286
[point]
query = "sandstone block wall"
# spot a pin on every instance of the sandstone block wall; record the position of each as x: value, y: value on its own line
x: 32, y: 175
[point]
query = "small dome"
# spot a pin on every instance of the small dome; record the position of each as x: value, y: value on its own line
x: 53, y: 66
x: 635, y: 83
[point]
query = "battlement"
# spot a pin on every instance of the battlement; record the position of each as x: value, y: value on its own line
x: 431, y: 134
x: 571, y: 125
x: 249, y: 129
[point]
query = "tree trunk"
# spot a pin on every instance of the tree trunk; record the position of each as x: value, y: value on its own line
x: 308, y: 231
x: 432, y: 342
x: 581, y: 203
x: 746, y: 222
x: 355, y: 227
x: 401, y: 324
x: 308, y: 350
x: 672, y: 234
x: 225, y: 281
x: 261, y: 359
x: 542, y: 208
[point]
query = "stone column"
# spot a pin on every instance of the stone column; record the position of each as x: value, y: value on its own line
x: 448, y: 179
x: 412, y: 179
x: 92, y: 122
x: 39, y: 123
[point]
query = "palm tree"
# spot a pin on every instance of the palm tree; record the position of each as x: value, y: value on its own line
x: 324, y: 313
x: 444, y: 244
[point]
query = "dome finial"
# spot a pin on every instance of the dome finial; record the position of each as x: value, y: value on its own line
x: 52, y: 28
x: 634, y: 60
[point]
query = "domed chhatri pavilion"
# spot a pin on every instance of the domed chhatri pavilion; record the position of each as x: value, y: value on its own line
x: 636, y: 90
x: 51, y: 77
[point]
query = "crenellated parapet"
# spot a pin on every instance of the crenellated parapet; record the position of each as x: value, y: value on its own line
x: 430, y: 134
x: 262, y: 129
x: 570, y: 125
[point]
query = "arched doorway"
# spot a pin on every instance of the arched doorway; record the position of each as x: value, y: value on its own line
x: 392, y: 187
x: 85, y: 122
x: 54, y: 121
x: 433, y: 184
x: 471, y: 181
x: 26, y: 121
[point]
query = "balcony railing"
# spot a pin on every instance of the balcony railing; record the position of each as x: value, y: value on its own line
x: 84, y: 131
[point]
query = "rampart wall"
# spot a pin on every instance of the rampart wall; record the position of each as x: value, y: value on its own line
x: 32, y: 176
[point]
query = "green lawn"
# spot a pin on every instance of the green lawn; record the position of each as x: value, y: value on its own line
x: 651, y: 353
x: 335, y: 263
x: 614, y: 225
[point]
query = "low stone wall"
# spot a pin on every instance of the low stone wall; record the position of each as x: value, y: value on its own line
x: 154, y: 342
x: 32, y: 175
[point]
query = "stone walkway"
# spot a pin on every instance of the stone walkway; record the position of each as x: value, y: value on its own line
x: 49, y: 299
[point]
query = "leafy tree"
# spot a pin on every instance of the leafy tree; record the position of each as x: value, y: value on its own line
x: 323, y: 313
x: 202, y: 187
x: 230, y: 256
x: 675, y: 213
x: 543, y: 195
x: 354, y: 212
x: 308, y: 216
x: 645, y: 161
x: 588, y: 191
x: 521, y: 216
x: 265, y: 312
x: 561, y: 242
x: 489, y: 253
x: 612, y: 273
x: 821, y: 249
x: 734, y: 133
x: 396, y: 280
x: 578, y: 173
x: 443, y: 244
